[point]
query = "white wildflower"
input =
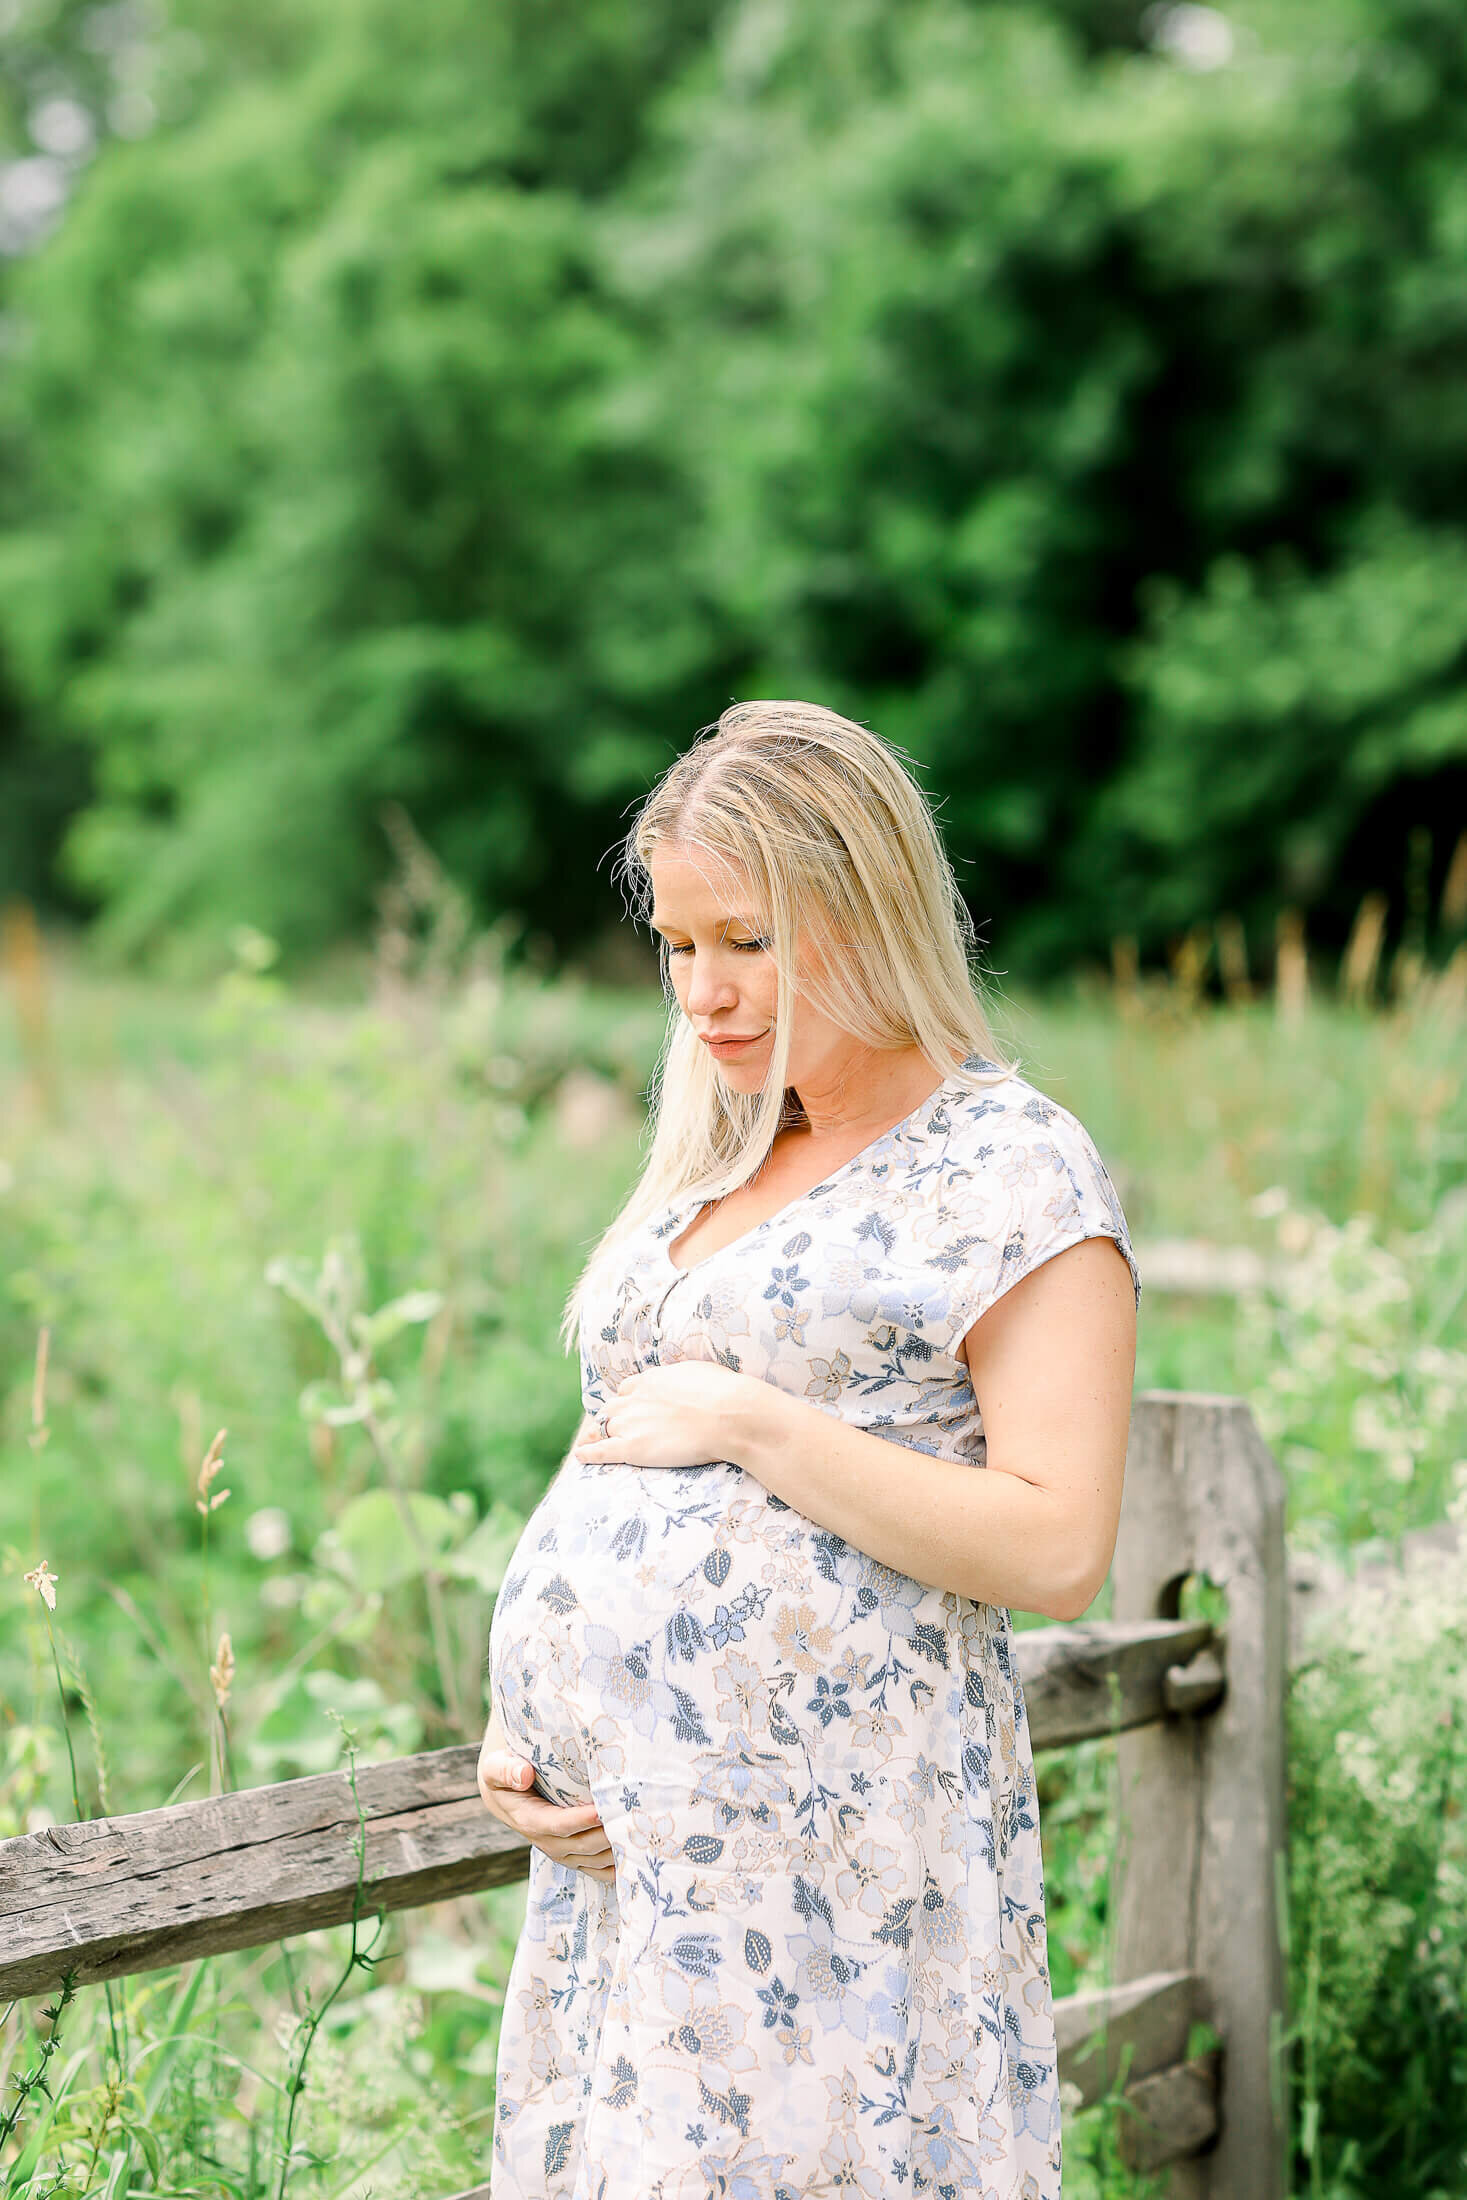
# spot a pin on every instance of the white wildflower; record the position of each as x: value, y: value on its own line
x: 43, y: 1581
x: 267, y: 1532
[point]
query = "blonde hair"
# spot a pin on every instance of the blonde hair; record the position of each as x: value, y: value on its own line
x: 842, y: 853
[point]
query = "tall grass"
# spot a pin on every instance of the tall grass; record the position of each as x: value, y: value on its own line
x: 341, y: 1228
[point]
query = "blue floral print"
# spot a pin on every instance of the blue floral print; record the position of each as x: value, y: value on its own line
x: 822, y: 1967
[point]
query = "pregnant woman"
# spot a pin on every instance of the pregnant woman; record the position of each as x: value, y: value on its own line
x: 857, y: 1358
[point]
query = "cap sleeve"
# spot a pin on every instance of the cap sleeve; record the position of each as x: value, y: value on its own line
x: 1025, y: 1185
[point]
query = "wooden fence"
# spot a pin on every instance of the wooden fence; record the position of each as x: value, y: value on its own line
x: 1200, y: 1859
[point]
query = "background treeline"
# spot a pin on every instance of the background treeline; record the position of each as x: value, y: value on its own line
x: 459, y: 404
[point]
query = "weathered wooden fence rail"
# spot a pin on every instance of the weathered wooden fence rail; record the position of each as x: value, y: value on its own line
x: 1201, y: 1834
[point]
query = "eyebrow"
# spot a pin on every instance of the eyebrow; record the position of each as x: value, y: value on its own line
x: 747, y: 922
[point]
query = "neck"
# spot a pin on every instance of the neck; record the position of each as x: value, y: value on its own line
x: 864, y: 1091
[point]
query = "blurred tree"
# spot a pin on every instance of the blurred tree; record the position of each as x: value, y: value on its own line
x: 72, y: 74
x: 463, y: 404
x: 330, y: 494
x: 1092, y: 419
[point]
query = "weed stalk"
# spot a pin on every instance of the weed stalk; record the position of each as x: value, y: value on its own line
x: 360, y: 1958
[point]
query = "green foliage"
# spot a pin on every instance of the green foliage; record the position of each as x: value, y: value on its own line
x: 293, y: 1737
x: 351, y: 561
x: 236, y: 1126
x: 1378, y: 1899
x: 1278, y: 707
x: 341, y: 1229
x: 1365, y: 1400
x: 203, y: 2101
x: 457, y: 404
x: 359, y: 1957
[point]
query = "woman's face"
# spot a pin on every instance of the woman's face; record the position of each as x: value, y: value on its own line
x: 721, y: 967
x: 721, y: 970
x: 726, y: 984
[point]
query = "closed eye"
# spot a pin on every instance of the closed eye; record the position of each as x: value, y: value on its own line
x: 747, y: 947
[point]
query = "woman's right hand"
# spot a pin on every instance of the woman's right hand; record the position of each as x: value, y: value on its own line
x: 569, y: 1833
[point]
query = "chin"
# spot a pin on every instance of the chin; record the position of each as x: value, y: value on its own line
x: 740, y: 1070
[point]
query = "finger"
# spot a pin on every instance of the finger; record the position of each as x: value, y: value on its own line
x: 496, y: 1791
x: 589, y: 1848
x: 598, y: 1864
x: 506, y: 1768
x: 538, y: 1820
x: 507, y: 1779
x: 516, y: 1775
x: 579, y: 1849
x: 578, y: 1839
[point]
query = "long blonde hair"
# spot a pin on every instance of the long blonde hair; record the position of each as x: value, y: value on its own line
x: 842, y: 853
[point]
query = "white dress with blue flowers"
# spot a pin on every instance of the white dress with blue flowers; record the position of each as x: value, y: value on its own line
x: 822, y: 1967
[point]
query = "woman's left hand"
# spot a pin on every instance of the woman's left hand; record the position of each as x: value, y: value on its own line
x: 686, y: 1414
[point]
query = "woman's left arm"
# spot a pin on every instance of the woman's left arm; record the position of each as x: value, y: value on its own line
x: 1052, y: 1363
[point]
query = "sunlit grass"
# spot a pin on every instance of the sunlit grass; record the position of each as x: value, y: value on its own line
x: 469, y: 1129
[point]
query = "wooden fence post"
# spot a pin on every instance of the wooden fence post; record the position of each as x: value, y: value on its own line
x: 1201, y: 1832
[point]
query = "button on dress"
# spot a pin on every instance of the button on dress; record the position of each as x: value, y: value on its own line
x: 822, y: 1967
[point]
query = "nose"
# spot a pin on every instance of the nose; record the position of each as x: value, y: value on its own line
x: 709, y: 988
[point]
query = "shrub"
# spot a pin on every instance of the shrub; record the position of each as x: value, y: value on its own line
x: 1378, y: 1886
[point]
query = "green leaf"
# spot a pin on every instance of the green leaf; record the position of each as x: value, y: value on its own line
x: 149, y: 2145
x: 372, y: 1331
x: 180, y: 2015
x: 370, y: 1545
x: 296, y: 1277
x: 486, y: 1553
x: 339, y: 1408
x: 299, y: 1735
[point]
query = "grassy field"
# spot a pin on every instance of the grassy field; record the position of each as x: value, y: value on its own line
x: 198, y: 1192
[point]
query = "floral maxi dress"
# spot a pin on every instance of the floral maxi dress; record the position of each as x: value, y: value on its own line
x: 822, y: 1967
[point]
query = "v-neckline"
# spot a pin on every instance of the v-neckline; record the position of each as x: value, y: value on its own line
x: 695, y: 1207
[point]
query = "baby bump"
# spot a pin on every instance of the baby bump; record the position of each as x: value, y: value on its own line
x: 686, y: 1622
